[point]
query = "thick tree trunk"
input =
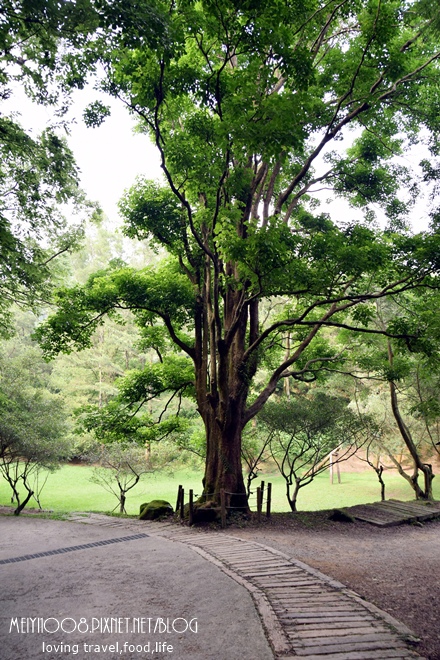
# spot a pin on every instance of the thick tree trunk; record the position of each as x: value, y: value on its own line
x: 223, y: 467
x: 222, y: 388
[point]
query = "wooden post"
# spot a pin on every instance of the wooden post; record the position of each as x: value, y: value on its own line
x: 223, y: 506
x: 179, y: 494
x: 191, y: 506
x: 259, y: 502
x: 269, y: 497
x: 331, y: 467
x: 182, y: 503
x: 338, y: 471
x: 262, y: 493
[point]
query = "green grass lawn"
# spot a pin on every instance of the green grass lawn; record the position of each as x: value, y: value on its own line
x: 70, y: 489
x: 355, y: 488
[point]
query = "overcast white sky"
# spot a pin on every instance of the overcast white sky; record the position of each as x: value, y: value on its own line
x: 109, y: 157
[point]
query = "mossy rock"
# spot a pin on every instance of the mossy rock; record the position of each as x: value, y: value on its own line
x: 155, y: 509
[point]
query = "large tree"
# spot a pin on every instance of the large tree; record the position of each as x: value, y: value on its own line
x: 254, y: 107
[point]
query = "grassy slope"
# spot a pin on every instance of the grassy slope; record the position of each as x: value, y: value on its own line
x: 70, y: 489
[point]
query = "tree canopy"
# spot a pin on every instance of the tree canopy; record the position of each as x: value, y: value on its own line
x: 254, y: 108
x: 38, y: 175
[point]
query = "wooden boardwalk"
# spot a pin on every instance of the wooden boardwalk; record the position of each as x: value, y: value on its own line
x: 305, y: 613
x: 393, y: 512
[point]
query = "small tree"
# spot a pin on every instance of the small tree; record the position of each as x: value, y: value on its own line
x: 120, y: 468
x: 32, y: 441
x: 24, y: 461
x: 303, y: 432
x: 33, y: 429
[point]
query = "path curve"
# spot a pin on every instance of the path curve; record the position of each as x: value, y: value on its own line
x: 305, y: 613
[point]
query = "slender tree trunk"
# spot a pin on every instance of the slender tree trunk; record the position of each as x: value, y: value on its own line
x: 378, y: 468
x: 122, y: 496
x: 15, y: 495
x: 293, y: 498
x: 425, y: 468
x: 286, y: 357
x: 251, y: 476
x: 100, y: 388
x: 379, y: 472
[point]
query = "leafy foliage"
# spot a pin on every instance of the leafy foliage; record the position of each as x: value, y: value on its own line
x: 38, y: 175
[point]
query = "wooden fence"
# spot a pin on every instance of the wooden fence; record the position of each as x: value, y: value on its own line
x: 263, y: 497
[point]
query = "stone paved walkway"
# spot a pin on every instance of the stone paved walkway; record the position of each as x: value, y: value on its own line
x: 305, y: 613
